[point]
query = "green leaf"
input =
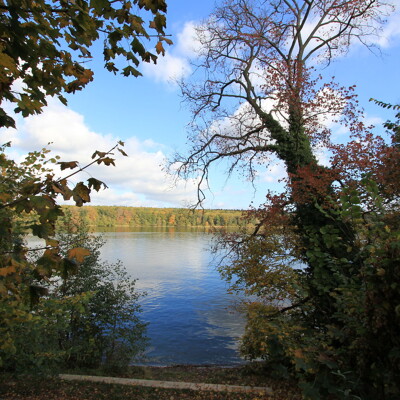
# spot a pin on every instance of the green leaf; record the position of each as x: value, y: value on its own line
x: 69, y: 267
x: 111, y: 67
x: 81, y: 194
x: 160, y: 22
x: 63, y: 100
x: 129, y: 70
x: 122, y: 152
x: 99, y: 5
x: 137, y: 46
x: 131, y: 56
x: 96, y: 184
x: 43, y: 230
x: 36, y: 292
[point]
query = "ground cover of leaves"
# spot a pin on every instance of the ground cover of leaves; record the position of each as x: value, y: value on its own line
x: 52, y: 388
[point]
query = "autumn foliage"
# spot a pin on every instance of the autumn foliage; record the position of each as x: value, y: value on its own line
x: 30, y: 190
x: 328, y: 288
x: 45, y: 46
x: 321, y: 258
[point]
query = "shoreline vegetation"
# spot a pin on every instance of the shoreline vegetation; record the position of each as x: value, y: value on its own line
x: 136, y: 217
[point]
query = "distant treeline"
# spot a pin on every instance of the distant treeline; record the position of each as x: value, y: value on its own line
x: 112, y: 216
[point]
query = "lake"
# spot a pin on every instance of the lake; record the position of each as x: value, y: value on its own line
x: 192, y: 318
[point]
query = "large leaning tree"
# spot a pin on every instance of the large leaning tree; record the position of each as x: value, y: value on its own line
x: 257, y: 96
x: 45, y: 51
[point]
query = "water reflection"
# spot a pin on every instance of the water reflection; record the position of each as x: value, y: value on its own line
x: 191, y: 315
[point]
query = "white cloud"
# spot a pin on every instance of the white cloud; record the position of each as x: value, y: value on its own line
x: 372, y: 32
x: 373, y: 120
x: 390, y: 33
x: 168, y: 69
x: 323, y: 155
x: 275, y: 172
x: 188, y: 43
x: 340, y: 130
x: 175, y: 65
x: 135, y: 180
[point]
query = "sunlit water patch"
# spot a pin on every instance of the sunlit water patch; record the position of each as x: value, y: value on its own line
x: 192, y: 318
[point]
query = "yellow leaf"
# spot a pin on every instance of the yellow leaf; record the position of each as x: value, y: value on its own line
x: 380, y: 272
x: 7, y: 63
x: 52, y: 242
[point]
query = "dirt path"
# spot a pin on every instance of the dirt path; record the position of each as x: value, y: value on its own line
x: 169, y: 384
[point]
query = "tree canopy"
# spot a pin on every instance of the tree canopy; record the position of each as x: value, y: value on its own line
x: 321, y: 257
x: 45, y: 50
x: 256, y: 93
x: 117, y: 216
x: 45, y: 46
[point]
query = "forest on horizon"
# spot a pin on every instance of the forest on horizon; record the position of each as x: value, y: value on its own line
x: 121, y: 216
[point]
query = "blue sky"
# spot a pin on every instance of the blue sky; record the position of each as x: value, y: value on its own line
x: 148, y: 115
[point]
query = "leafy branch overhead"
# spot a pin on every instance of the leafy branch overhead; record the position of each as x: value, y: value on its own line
x: 33, y: 193
x: 45, y: 46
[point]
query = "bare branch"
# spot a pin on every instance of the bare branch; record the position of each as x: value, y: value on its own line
x: 255, y: 79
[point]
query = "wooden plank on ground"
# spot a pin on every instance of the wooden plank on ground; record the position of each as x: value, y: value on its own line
x: 168, y: 384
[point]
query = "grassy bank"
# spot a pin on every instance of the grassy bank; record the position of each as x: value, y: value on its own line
x: 52, y: 388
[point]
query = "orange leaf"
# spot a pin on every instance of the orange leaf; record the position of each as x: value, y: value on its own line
x: 79, y: 253
x: 160, y: 48
x: 298, y: 353
x: 7, y: 270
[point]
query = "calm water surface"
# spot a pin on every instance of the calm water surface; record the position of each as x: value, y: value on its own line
x: 191, y: 317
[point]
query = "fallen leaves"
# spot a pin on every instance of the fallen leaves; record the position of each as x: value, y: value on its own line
x: 50, y: 388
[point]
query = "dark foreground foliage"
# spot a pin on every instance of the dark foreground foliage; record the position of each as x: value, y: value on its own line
x: 87, y: 319
x: 49, y: 388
